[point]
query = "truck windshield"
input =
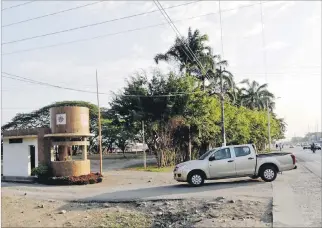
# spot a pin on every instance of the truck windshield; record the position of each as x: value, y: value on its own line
x: 202, y: 157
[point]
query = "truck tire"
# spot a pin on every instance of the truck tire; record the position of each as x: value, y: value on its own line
x: 196, y: 178
x: 268, y: 173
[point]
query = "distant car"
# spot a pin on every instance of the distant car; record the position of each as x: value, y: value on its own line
x: 316, y: 145
x: 291, y: 146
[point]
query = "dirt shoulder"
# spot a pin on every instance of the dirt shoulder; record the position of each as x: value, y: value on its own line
x: 220, y: 212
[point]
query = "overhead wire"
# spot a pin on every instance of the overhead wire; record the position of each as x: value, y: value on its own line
x: 121, y: 32
x: 24, y: 79
x: 221, y: 37
x: 94, y: 24
x: 14, y: 6
x: 51, y: 14
x: 263, y: 42
x: 167, y: 17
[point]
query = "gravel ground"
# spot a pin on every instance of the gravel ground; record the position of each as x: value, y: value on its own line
x: 219, y: 212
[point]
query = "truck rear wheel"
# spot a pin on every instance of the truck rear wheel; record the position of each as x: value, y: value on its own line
x: 196, y: 178
x: 268, y: 173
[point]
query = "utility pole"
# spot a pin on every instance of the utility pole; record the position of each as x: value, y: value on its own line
x: 143, y: 142
x: 223, y: 133
x: 99, y: 127
x: 268, y: 127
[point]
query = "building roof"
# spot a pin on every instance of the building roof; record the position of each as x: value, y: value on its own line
x: 25, y: 132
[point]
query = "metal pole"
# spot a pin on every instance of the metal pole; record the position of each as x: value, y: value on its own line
x: 223, y: 132
x: 143, y: 140
x: 99, y: 127
x: 269, y: 127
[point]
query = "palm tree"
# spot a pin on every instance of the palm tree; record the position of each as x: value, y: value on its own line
x: 179, y: 53
x: 221, y: 83
x: 257, y: 96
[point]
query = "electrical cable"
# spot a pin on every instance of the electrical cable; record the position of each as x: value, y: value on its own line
x: 24, y: 79
x: 94, y: 24
x: 121, y: 32
x: 167, y: 17
x: 51, y: 14
x: 25, y: 3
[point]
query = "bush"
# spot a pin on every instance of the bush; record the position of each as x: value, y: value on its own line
x: 91, y: 178
x: 40, y: 171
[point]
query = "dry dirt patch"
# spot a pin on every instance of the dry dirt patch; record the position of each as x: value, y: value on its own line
x: 219, y: 212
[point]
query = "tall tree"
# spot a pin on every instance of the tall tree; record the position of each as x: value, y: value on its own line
x: 256, y: 96
x: 179, y: 54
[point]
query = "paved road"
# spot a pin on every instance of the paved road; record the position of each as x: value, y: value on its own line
x: 308, y: 159
x: 115, y: 164
x: 297, y: 194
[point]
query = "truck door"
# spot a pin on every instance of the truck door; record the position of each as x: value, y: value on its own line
x: 221, y: 164
x: 245, y: 160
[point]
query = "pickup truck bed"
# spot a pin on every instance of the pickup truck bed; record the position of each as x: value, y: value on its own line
x: 272, y: 154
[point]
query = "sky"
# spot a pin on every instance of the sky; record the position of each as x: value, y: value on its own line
x: 292, y: 37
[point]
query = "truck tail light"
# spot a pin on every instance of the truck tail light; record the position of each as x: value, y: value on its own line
x: 293, y: 158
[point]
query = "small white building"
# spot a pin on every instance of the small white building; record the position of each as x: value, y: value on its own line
x: 22, y: 150
x: 19, y: 155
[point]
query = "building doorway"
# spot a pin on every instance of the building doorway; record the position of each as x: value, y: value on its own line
x: 32, y: 157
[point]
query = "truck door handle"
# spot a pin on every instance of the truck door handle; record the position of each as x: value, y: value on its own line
x: 250, y: 158
x: 231, y: 161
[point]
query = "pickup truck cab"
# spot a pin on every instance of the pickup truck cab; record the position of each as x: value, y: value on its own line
x: 234, y: 161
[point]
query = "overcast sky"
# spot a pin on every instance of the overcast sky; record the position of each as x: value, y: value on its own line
x: 292, y: 32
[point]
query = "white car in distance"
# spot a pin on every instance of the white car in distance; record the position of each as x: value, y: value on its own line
x: 234, y: 161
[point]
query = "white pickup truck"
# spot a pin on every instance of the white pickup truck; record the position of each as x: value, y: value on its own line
x: 232, y: 162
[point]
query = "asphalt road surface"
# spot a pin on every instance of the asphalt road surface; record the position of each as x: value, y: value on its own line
x: 310, y: 160
x: 297, y: 193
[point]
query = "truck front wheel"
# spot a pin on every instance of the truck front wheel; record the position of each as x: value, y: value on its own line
x: 268, y: 173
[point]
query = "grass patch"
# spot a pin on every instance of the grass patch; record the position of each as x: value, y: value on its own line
x: 153, y: 168
x: 126, y: 219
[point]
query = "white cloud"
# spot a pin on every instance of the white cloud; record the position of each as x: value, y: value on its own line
x: 276, y: 45
x: 255, y: 30
x: 281, y: 8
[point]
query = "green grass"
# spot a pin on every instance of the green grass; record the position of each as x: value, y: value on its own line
x: 153, y: 168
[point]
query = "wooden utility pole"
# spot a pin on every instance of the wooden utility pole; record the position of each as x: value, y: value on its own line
x: 222, y: 104
x: 268, y: 126
x: 99, y: 127
x: 143, y: 142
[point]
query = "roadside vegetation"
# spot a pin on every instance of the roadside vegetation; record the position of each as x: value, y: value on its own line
x: 180, y: 110
x: 152, y: 168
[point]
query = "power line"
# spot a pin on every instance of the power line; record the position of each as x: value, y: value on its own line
x: 51, y: 14
x: 263, y: 42
x: 10, y: 7
x: 125, y: 31
x: 24, y: 79
x: 166, y: 16
x: 94, y: 24
x: 222, y: 43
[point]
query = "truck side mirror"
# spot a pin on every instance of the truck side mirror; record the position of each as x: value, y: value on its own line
x: 212, y: 158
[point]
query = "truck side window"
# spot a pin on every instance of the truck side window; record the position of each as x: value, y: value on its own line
x: 242, y: 151
x: 222, y: 154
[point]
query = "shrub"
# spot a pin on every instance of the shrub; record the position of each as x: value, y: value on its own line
x: 91, y: 178
x: 41, y: 171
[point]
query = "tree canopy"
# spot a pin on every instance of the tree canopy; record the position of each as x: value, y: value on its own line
x: 181, y: 111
